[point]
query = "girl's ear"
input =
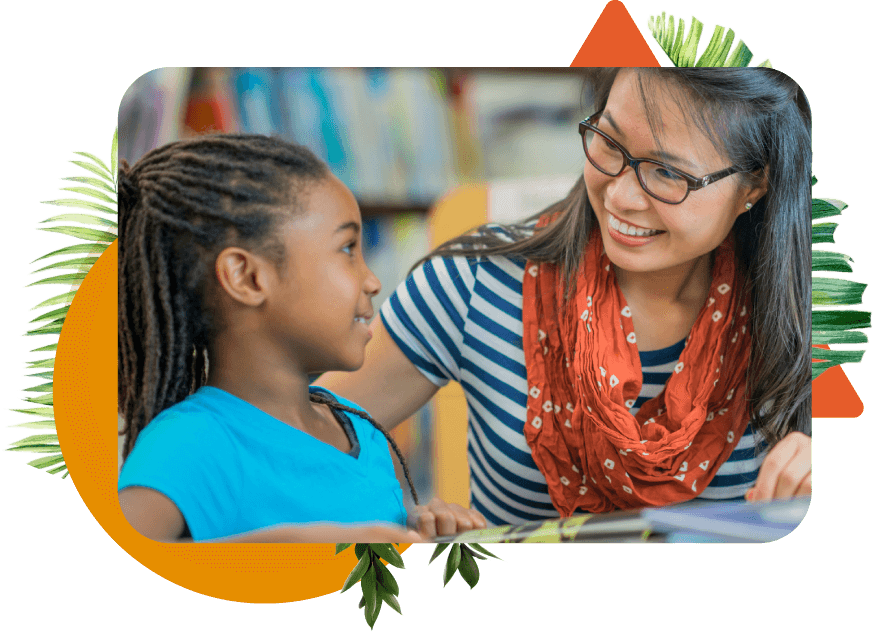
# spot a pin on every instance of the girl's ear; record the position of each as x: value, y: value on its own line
x: 244, y: 277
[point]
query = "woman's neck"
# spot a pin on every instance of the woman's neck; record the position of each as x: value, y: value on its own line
x: 686, y: 284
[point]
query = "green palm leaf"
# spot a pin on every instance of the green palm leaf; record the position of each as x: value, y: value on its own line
x: 42, y: 388
x: 74, y: 203
x: 683, y: 53
x: 46, y: 375
x: 79, y: 263
x: 91, y: 249
x: 91, y: 192
x: 82, y: 219
x: 94, y: 182
x: 829, y: 326
x: 88, y: 234
x: 51, y: 322
x: 62, y: 298
x: 58, y: 313
x: 47, y: 424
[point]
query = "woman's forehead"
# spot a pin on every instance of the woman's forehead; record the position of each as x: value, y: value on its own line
x: 650, y: 113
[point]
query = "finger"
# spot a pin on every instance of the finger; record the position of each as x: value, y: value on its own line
x: 773, y: 464
x: 790, y: 478
x: 479, y: 521
x: 427, y: 525
x: 445, y: 521
x: 463, y: 520
x: 413, y: 537
x: 806, y: 486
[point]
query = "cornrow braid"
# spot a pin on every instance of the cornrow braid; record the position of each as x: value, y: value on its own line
x: 317, y: 398
x: 178, y: 206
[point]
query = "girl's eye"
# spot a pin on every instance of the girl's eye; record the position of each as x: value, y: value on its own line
x: 349, y: 248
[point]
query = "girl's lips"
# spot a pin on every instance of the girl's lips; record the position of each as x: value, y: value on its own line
x: 366, y: 324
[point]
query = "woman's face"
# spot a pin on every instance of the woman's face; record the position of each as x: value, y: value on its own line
x: 686, y: 231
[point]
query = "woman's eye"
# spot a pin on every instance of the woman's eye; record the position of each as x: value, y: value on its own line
x: 611, y: 146
x: 349, y: 248
x: 666, y: 174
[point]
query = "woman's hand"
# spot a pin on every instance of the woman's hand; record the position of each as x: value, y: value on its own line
x: 786, y: 471
x: 438, y: 518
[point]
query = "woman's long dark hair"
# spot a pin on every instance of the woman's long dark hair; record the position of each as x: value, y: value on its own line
x: 760, y: 119
x: 178, y: 207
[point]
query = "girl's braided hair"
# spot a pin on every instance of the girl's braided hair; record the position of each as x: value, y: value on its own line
x: 178, y: 207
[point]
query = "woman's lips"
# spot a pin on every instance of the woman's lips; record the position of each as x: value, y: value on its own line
x: 614, y: 225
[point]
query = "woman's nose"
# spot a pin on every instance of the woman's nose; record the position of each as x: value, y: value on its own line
x: 625, y: 191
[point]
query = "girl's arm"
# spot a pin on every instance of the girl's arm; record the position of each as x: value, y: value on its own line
x: 388, y: 385
x: 156, y: 517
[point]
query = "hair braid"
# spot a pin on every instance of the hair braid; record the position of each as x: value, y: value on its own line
x: 178, y: 206
x: 334, y: 405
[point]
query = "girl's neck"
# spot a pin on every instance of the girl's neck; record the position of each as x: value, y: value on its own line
x: 263, y: 379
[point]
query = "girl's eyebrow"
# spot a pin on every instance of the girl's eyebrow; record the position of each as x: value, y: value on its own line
x: 659, y: 154
x: 355, y: 226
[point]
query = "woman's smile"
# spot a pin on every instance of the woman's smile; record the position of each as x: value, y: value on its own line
x: 629, y: 234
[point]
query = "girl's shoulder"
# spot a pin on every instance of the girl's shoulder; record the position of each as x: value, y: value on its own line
x: 201, y: 420
x: 337, y: 398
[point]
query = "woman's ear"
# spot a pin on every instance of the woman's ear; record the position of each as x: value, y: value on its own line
x: 757, y: 190
x: 244, y: 277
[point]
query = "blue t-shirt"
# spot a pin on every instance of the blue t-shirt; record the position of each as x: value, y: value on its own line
x: 231, y: 468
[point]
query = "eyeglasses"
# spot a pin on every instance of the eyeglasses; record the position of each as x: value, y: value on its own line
x: 660, y: 180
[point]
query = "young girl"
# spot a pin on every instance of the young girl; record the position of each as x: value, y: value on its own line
x: 644, y: 341
x: 240, y: 274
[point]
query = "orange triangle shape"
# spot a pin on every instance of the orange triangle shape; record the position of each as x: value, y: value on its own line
x: 616, y: 41
x: 833, y: 394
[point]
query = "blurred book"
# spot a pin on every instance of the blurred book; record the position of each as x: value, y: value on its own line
x: 729, y: 521
x: 526, y: 124
x: 211, y: 105
x: 618, y: 526
x: 151, y: 111
x: 257, y: 101
x: 697, y: 521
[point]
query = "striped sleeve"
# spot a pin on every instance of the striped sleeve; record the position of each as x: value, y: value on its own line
x: 425, y: 316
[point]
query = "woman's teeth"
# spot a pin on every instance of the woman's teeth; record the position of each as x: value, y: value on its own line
x: 631, y: 231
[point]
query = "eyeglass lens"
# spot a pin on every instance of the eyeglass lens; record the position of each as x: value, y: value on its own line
x: 655, y: 179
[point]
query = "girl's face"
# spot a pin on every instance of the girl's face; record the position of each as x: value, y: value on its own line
x: 688, y: 230
x: 323, y: 302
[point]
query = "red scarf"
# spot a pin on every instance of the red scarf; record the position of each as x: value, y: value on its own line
x: 584, y: 374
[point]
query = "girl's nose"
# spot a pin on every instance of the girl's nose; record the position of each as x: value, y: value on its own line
x: 624, y: 192
x: 372, y: 285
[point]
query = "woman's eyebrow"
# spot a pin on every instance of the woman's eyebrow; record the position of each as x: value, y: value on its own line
x: 659, y: 154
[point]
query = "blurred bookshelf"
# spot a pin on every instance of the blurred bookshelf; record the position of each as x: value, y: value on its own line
x: 399, y: 138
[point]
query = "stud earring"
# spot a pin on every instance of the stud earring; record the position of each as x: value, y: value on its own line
x: 748, y: 206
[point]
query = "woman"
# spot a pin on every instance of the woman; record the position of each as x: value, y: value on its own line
x: 686, y: 249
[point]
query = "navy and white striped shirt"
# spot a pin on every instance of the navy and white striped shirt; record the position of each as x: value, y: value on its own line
x: 460, y: 319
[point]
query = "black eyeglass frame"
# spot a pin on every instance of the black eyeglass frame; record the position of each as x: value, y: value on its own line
x: 694, y: 183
